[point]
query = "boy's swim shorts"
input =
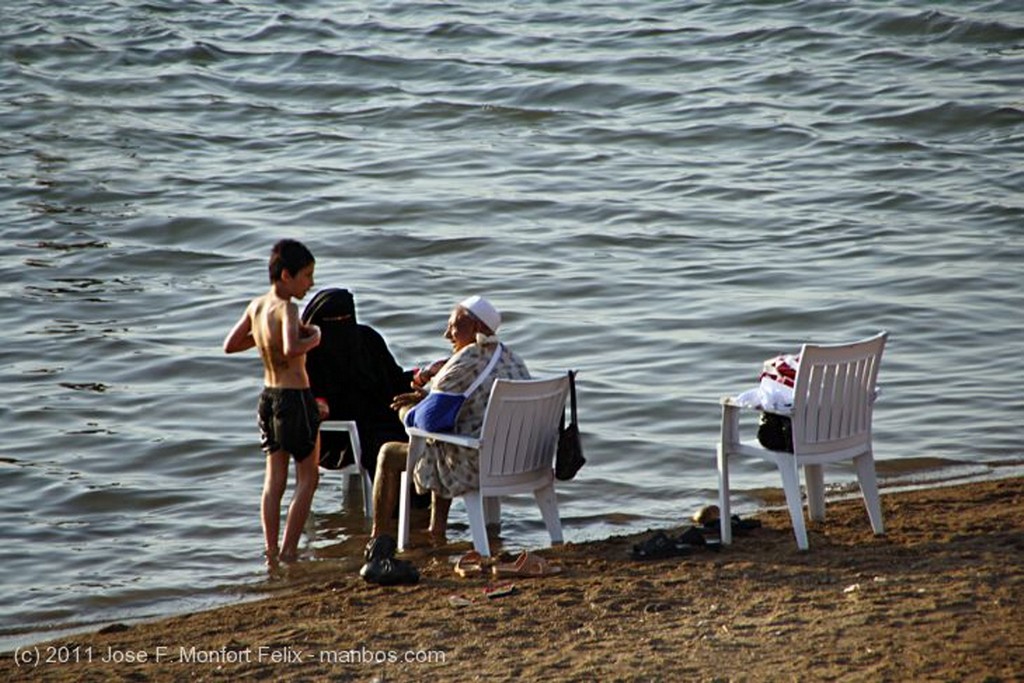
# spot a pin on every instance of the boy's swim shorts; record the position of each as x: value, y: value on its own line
x: 288, y: 420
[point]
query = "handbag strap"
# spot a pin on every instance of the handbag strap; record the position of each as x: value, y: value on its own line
x: 483, y: 375
x: 572, y: 395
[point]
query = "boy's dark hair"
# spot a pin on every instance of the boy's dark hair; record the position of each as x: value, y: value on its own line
x: 290, y: 255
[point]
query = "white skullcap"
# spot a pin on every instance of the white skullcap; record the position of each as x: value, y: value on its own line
x: 483, y: 310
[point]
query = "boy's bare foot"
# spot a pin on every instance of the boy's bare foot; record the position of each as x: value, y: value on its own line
x: 438, y: 539
x: 270, y: 556
x: 288, y: 556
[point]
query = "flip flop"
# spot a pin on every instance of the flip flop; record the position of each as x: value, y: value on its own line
x: 459, y: 601
x: 490, y: 592
x: 470, y: 564
x: 493, y: 592
x: 527, y: 565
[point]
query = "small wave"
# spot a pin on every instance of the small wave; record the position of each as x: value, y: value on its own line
x: 71, y: 246
x: 97, y: 387
x: 942, y: 26
x: 950, y: 118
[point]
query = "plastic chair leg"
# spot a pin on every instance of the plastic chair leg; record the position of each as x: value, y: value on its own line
x: 548, y: 504
x: 477, y: 522
x: 869, y: 489
x: 416, y: 446
x: 365, y: 478
x: 815, y: 477
x: 791, y: 485
x: 403, y: 512
x: 729, y: 436
x: 725, y: 516
x: 367, y: 495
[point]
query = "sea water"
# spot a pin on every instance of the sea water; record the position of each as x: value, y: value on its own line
x: 659, y: 194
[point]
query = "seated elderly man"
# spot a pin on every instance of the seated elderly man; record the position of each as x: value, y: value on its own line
x: 447, y: 470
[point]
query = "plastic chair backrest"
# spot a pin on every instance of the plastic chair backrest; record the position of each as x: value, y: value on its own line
x: 520, y: 428
x: 834, y: 395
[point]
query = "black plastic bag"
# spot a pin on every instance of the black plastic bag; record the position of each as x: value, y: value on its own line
x: 775, y: 432
x: 569, y: 456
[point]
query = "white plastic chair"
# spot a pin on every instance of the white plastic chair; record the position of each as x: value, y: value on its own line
x: 833, y: 406
x: 357, y: 450
x: 517, y: 449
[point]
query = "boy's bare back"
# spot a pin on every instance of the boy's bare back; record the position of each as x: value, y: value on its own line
x: 272, y: 319
x: 271, y: 323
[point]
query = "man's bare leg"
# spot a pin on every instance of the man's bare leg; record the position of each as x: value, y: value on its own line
x: 439, y: 519
x: 387, y: 481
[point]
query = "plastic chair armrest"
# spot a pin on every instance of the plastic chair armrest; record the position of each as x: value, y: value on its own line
x: 731, y: 402
x: 457, y: 439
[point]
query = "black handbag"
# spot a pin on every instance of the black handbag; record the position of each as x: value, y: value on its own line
x: 775, y: 432
x: 569, y: 456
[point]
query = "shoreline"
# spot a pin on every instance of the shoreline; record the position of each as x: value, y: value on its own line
x: 894, y: 477
x: 935, y: 598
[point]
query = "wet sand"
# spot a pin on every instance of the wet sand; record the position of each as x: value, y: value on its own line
x: 938, y: 598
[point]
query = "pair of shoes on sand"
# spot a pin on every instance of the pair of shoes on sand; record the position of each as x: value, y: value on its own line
x: 381, y: 566
x: 740, y: 526
x: 661, y: 545
x: 526, y: 565
x: 707, y: 519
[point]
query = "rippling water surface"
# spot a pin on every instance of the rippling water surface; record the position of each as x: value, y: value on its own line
x: 661, y: 194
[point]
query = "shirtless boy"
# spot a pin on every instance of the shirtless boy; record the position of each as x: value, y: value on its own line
x: 288, y: 418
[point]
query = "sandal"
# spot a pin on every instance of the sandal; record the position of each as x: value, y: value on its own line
x: 694, y: 537
x: 470, y: 564
x: 739, y: 524
x: 493, y: 592
x: 459, y: 601
x: 658, y: 547
x: 526, y: 565
x: 380, y: 548
x: 691, y: 537
x: 389, y: 572
x: 490, y: 592
x: 398, y: 572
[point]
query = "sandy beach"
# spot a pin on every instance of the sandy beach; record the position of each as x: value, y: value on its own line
x: 936, y: 599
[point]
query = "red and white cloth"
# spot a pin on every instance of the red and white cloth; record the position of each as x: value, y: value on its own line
x: 781, y: 369
x: 774, y: 393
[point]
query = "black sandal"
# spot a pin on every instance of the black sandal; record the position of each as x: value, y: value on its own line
x: 657, y: 547
x: 692, y: 537
x: 390, y: 572
x: 744, y: 524
x: 380, y: 548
